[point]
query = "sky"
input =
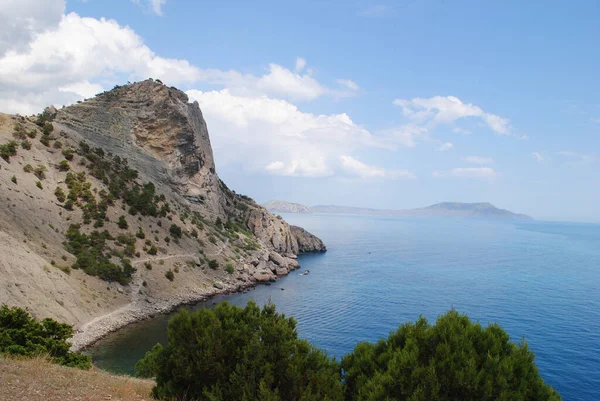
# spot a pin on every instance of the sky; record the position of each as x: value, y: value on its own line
x: 383, y: 104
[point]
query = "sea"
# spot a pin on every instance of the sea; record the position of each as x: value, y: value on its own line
x: 539, y: 280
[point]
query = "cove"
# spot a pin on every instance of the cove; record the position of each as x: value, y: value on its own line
x: 539, y: 280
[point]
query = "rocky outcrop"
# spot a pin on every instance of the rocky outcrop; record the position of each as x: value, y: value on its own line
x: 228, y: 242
x: 306, y: 242
x: 163, y: 135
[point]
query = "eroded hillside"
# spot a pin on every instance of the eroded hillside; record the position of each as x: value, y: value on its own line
x: 111, y: 210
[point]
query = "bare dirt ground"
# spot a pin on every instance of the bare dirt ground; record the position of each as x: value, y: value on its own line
x: 39, y: 380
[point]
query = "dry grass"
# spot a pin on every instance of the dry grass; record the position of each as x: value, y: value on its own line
x: 37, y: 379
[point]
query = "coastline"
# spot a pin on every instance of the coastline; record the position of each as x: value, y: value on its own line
x: 136, y: 311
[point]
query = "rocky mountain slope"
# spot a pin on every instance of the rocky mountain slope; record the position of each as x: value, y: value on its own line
x: 277, y: 206
x: 482, y: 210
x: 111, y: 211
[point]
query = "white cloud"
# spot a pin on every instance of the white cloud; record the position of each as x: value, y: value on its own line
x: 478, y: 160
x: 348, y: 83
x: 356, y: 168
x: 448, y: 109
x: 47, y: 57
x: 300, y: 64
x: 577, y: 158
x: 154, y: 6
x: 445, y: 146
x: 462, y: 131
x: 157, y: 6
x: 537, y: 156
x: 468, y: 172
x: 273, y: 136
x: 22, y: 20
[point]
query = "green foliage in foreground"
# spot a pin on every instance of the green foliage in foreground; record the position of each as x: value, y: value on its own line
x: 454, y: 359
x: 251, y: 354
x: 231, y: 353
x: 22, y: 335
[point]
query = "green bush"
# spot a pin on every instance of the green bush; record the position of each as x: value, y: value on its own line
x: 32, y: 134
x: 40, y: 172
x: 68, y: 154
x: 39, y: 184
x: 170, y: 275
x: 64, y: 166
x: 229, y: 268
x: 48, y: 128
x: 175, y: 231
x: 454, y: 359
x: 28, y: 168
x: 231, y: 353
x: 140, y: 233
x: 22, y: 335
x: 8, y: 149
x: 213, y: 264
x: 60, y: 194
x: 152, y: 250
x: 14, y: 179
x: 26, y: 144
x: 122, y: 223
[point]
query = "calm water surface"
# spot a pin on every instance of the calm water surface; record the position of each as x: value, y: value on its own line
x: 540, y: 281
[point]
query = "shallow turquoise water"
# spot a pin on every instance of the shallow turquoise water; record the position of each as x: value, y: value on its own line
x: 540, y: 281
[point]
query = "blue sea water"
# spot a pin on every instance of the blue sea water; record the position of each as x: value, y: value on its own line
x: 539, y: 280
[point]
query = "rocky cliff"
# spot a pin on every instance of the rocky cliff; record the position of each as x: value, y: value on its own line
x: 144, y: 196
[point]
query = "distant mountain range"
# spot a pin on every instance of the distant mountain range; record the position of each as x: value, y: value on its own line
x: 482, y: 210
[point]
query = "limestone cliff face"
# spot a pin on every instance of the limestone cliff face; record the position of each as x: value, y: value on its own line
x: 227, y: 242
x: 165, y: 137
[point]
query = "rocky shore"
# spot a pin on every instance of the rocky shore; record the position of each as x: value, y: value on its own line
x: 261, y: 268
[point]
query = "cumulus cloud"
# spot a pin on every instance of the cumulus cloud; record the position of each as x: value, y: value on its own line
x: 47, y: 57
x: 273, y: 136
x: 438, y: 110
x: 468, y: 172
x: 353, y: 167
x: 22, y: 20
x: 478, y: 160
x: 445, y: 146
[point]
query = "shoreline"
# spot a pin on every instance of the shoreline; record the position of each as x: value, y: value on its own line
x: 136, y: 311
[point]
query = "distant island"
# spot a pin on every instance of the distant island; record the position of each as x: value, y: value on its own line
x: 482, y: 210
x: 277, y: 206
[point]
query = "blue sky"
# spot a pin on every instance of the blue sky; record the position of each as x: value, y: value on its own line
x: 375, y: 104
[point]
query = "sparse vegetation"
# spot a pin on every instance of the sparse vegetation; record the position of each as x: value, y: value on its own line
x: 39, y: 184
x: 175, y: 231
x: 229, y: 268
x: 60, y: 194
x: 122, y: 223
x: 213, y: 264
x: 68, y: 154
x: 28, y: 168
x: 26, y: 144
x: 40, y: 172
x: 170, y: 275
x: 64, y: 166
x: 90, y: 251
x: 8, y: 149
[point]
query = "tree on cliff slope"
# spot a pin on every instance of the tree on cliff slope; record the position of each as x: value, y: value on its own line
x: 454, y: 359
x: 231, y: 353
